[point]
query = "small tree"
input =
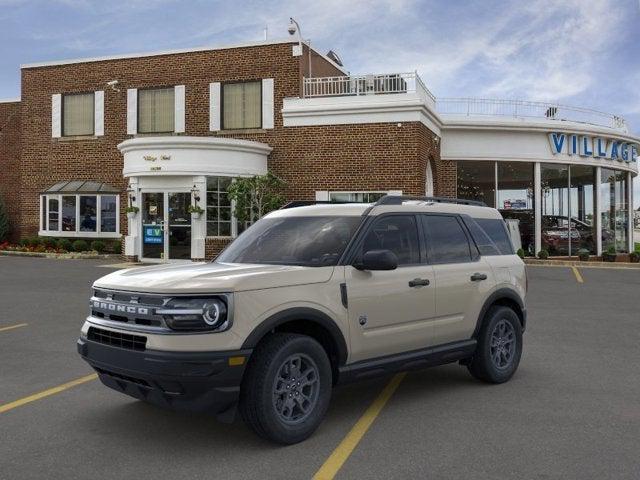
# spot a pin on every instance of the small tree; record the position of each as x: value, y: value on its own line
x: 256, y: 196
x: 4, y: 222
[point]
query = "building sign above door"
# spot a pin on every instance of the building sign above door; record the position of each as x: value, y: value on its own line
x: 589, y: 146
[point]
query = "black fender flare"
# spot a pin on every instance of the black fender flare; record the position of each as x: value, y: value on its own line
x: 300, y: 313
x: 500, y: 294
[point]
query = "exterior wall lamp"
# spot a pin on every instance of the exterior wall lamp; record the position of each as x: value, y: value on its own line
x: 196, y: 194
x: 131, y: 192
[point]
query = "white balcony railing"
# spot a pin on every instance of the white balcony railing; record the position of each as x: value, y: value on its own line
x: 388, y: 83
x: 527, y: 109
x: 366, y: 85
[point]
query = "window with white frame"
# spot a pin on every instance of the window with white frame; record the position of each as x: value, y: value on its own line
x: 156, y: 110
x: 80, y: 215
x: 78, y: 114
x: 221, y: 221
x: 242, y: 105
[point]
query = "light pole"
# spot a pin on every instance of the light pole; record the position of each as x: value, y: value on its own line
x: 294, y: 27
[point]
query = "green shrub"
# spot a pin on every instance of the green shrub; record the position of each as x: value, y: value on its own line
x: 116, y: 246
x: 4, y: 222
x: 80, y: 246
x: 520, y: 253
x: 583, y: 254
x: 48, y: 242
x: 611, y: 250
x: 65, y: 244
x: 634, y: 257
x: 24, y: 242
x: 543, y: 254
x: 98, y: 246
x: 33, y: 241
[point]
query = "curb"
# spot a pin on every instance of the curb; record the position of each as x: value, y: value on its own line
x: 59, y: 256
x: 577, y: 263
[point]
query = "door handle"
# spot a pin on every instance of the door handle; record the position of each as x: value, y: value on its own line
x: 476, y: 277
x: 418, y: 282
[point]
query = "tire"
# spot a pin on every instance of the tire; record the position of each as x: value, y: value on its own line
x: 499, y: 346
x: 276, y: 405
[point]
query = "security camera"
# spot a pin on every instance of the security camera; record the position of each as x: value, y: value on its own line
x: 291, y: 29
x: 113, y: 84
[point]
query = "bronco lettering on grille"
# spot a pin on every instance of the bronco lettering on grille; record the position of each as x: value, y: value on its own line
x: 115, y: 307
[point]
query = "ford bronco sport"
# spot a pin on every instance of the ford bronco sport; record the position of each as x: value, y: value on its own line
x: 308, y: 297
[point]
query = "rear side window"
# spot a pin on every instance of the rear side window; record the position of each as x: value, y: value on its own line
x: 484, y: 243
x: 446, y: 240
x: 397, y: 233
x: 497, y: 231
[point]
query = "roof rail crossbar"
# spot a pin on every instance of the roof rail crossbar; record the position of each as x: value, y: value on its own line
x: 398, y: 199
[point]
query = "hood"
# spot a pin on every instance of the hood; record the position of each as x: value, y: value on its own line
x: 211, y: 277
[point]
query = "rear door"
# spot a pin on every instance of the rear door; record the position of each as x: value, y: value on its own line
x: 463, y: 278
x: 390, y: 311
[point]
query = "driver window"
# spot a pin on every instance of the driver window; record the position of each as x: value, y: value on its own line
x: 397, y: 233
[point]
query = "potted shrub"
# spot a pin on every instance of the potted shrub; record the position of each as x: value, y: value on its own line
x: 543, y: 254
x: 195, y: 211
x: 634, y: 257
x: 583, y: 254
x: 132, y: 211
x: 610, y: 255
x: 520, y: 253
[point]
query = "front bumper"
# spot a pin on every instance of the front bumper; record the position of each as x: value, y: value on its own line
x: 190, y: 381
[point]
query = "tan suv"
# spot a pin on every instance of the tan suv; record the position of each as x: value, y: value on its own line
x: 309, y: 297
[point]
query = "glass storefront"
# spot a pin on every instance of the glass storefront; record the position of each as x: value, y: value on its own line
x: 614, y: 209
x: 477, y: 181
x: 569, y: 197
x: 516, y: 200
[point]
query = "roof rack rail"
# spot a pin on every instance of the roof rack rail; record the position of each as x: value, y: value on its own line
x: 306, y: 203
x: 398, y: 199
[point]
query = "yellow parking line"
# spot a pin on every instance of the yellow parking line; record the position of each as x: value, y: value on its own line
x: 46, y: 393
x: 576, y: 272
x: 11, y: 327
x: 332, y: 465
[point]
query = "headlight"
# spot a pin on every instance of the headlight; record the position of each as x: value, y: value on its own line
x: 196, y: 314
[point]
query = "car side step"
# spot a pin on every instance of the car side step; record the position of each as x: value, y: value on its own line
x: 416, y: 359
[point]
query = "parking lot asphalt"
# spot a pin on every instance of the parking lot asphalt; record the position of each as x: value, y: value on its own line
x: 571, y: 412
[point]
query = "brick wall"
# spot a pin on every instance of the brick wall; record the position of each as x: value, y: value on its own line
x: 382, y: 156
x: 10, y: 161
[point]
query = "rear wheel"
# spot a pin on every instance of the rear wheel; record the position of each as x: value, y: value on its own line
x: 499, y: 346
x: 286, y: 390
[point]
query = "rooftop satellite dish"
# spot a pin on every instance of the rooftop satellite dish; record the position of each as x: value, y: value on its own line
x: 334, y: 56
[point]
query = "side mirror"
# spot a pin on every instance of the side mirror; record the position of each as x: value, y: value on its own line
x: 378, y: 260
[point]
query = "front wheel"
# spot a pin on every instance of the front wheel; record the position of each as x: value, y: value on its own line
x: 499, y: 346
x: 286, y: 390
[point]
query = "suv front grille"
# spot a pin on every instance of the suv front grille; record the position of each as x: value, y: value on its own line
x: 117, y: 339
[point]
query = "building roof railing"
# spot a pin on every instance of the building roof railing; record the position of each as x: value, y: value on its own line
x: 389, y: 83
x: 528, y: 109
x: 374, y: 84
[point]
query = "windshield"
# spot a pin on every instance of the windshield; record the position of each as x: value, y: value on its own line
x: 304, y: 241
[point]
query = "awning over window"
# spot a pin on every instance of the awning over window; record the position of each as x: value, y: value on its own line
x: 81, y: 186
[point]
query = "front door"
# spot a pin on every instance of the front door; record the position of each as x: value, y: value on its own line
x: 391, y: 311
x: 166, y: 226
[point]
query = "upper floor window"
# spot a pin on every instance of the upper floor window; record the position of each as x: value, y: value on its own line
x: 242, y: 105
x: 356, y: 197
x: 156, y: 110
x: 78, y: 114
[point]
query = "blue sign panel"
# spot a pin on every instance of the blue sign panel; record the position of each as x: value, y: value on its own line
x: 153, y: 234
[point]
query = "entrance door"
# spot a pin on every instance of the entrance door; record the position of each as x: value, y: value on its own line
x: 166, y: 226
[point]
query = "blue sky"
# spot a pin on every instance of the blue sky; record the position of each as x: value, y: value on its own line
x: 579, y: 52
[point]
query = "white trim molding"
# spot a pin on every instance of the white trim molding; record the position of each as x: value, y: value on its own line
x: 346, y: 110
x: 184, y: 155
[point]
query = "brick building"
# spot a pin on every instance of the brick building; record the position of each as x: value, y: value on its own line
x: 162, y: 131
